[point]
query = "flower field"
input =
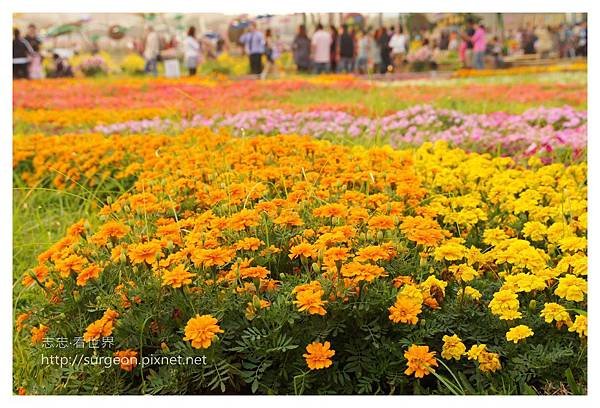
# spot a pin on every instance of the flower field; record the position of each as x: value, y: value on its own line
x: 325, y: 235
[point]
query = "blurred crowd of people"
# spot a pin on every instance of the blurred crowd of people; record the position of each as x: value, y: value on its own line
x: 27, y: 57
x: 347, y: 49
x: 391, y: 49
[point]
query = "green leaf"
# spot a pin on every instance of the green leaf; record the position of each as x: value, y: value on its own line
x: 575, y: 388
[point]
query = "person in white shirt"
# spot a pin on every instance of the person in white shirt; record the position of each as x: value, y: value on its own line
x: 191, y: 51
x: 321, y: 48
x: 398, y: 44
x: 151, y: 50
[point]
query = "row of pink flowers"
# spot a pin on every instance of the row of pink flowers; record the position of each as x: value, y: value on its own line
x: 537, y: 130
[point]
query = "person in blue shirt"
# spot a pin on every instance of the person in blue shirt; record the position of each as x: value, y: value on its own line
x: 254, y: 46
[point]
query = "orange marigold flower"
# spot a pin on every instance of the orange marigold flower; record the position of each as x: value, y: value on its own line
x: 97, y: 329
x: 112, y: 229
x: 201, y: 330
x: 20, y: 321
x: 177, y: 277
x: 254, y: 272
x: 420, y: 361
x: 110, y: 315
x: 211, y: 257
x: 402, y: 280
x: 362, y: 272
x: 319, y: 355
x: 127, y: 359
x: 72, y: 263
x: 308, y: 298
x: 145, y: 252
x: 405, y: 310
x: 331, y: 210
x: 40, y: 272
x: 303, y: 249
x: 381, y: 222
x: 249, y: 244
x: 336, y: 254
x: 102, y: 327
x: 424, y: 231
x: 91, y: 272
x: 76, y: 229
x: 372, y: 253
x: 243, y: 219
x: 38, y: 333
x: 289, y: 218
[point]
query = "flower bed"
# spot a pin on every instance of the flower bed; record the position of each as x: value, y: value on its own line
x: 294, y: 265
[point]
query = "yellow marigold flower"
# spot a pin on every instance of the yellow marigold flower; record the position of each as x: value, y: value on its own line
x: 201, y: 330
x: 145, y: 252
x: 523, y: 282
x: 510, y: 314
x: 453, y: 347
x: 571, y: 287
x: 420, y: 361
x: 488, y: 362
x: 463, y: 272
x: 450, y: 251
x: 517, y: 333
x: 259, y: 272
x: 558, y: 231
x: 127, y: 359
x: 319, y: 355
x: 405, y: 310
x: 303, y: 249
x: 475, y: 351
x: 470, y: 292
x: 577, y: 264
x: 494, y: 236
x: 504, y: 302
x: 91, y: 272
x: 177, y: 277
x: 534, y: 230
x: 572, y: 244
x: 580, y: 326
x: 432, y: 281
x: 38, y: 333
x: 555, y: 312
x: 413, y: 292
